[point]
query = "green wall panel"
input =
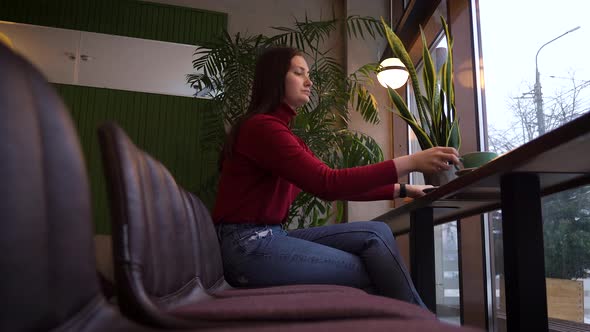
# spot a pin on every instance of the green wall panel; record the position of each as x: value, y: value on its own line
x: 120, y: 17
x: 181, y: 132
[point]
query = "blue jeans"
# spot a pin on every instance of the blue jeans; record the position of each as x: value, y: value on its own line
x: 359, y: 254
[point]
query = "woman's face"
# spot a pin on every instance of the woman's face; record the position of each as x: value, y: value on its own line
x: 297, y: 83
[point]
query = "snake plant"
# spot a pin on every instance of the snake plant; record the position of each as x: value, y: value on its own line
x: 436, y: 122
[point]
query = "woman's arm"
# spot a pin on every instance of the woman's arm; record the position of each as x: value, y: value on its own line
x: 269, y: 143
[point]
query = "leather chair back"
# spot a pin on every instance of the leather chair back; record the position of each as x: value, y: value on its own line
x: 47, y: 260
x: 166, y: 250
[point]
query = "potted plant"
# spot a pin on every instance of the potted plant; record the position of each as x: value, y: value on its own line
x: 435, y: 122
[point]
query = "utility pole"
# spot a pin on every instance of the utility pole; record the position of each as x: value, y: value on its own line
x: 538, y: 92
x: 539, y: 104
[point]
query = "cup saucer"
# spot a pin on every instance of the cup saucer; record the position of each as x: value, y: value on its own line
x: 465, y: 171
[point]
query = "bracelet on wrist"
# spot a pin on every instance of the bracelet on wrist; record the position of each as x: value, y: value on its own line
x: 402, y: 190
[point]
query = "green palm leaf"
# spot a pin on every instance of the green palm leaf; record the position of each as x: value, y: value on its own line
x: 357, y: 26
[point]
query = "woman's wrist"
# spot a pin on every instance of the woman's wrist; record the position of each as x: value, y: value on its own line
x: 400, y: 190
x: 403, y: 192
x: 403, y: 165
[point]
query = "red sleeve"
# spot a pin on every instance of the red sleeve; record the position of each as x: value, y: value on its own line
x: 269, y: 143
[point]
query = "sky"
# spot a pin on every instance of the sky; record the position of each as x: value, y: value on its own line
x: 511, y: 33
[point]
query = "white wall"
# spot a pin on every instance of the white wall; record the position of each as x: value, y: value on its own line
x: 360, y: 52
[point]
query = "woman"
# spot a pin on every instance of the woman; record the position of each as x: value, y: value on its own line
x: 265, y: 166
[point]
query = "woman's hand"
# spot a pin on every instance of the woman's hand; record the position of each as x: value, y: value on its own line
x: 416, y: 190
x: 433, y: 160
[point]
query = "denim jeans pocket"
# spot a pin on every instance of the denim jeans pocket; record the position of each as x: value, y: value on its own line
x: 255, y: 242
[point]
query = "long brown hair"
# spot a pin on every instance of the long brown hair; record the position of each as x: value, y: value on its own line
x: 268, y: 89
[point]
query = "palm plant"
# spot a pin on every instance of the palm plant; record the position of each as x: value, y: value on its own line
x: 436, y: 123
x: 227, y: 70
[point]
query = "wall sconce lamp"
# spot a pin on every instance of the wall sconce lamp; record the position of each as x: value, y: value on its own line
x: 392, y: 73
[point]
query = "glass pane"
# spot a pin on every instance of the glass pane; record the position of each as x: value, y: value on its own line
x: 566, y: 236
x: 445, y: 236
x: 447, y: 273
x: 537, y: 78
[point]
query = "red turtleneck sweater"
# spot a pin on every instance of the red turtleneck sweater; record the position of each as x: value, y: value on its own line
x: 270, y: 166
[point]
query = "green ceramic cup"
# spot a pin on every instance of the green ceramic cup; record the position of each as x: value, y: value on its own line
x: 477, y: 159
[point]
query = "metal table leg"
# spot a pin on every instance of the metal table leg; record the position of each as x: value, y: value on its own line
x: 422, y: 255
x: 524, y: 265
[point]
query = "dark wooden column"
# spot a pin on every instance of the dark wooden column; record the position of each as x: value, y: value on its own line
x: 471, y: 240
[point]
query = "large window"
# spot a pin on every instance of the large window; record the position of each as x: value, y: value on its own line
x: 537, y: 77
x: 445, y: 235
